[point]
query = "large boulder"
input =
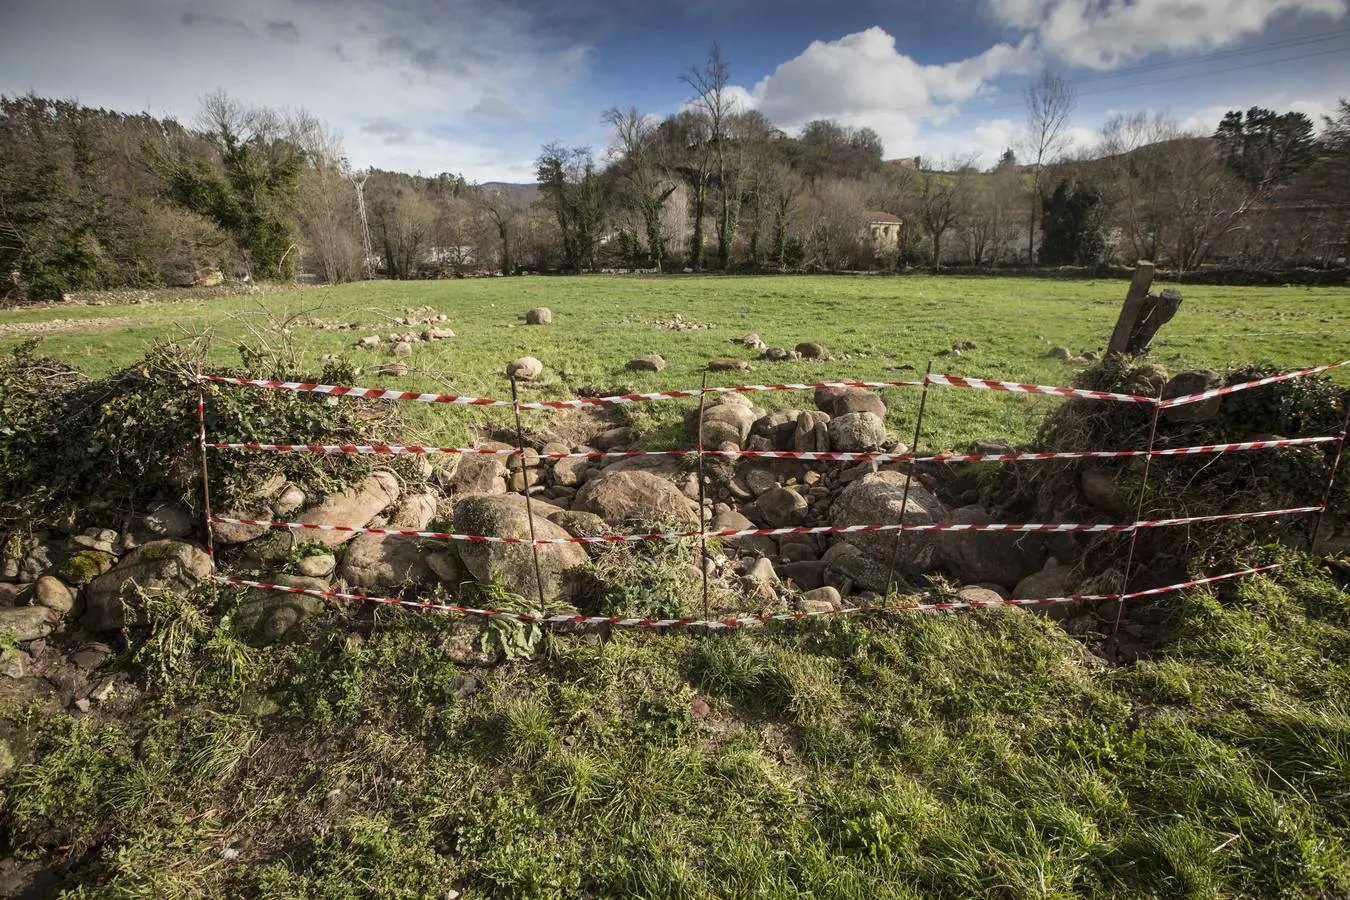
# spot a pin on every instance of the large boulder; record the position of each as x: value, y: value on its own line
x: 811, y: 433
x: 778, y: 427
x: 513, y: 564
x: 842, y: 401
x: 1054, y: 580
x: 1195, y: 382
x: 540, y: 315
x: 482, y: 473
x: 650, y: 362
x: 857, y: 432
x: 158, y: 565
x: 524, y: 368
x: 355, y: 507
x: 728, y: 421
x: 1100, y: 489
x: 779, y: 507
x: 876, y: 499
x: 384, y: 562
x: 633, y: 496
x: 983, y: 556
x: 389, y: 561
x: 27, y: 623
x: 265, y: 617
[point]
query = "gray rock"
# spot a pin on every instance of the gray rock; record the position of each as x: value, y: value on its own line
x: 53, y: 594
x: 1052, y: 581
x: 1061, y: 353
x: 797, y: 551
x: 482, y: 473
x: 752, y: 341
x: 976, y: 556
x: 857, y: 432
x: 727, y: 365
x: 862, y: 570
x: 811, y: 433
x: 570, y: 472
x: 226, y: 533
x: 524, y: 368
x: 164, y: 521
x: 780, y: 507
x: 809, y: 350
x: 291, y: 500
x: 614, y: 438
x: 633, y: 496
x: 27, y: 623
x: 158, y: 565
x: 445, y: 564
x: 1100, y: 489
x: 1195, y: 382
x: 976, y: 594
x: 382, y: 562
x: 540, y: 315
x: 821, y: 600
x: 266, y: 617
x: 402, y: 349
x: 842, y: 401
x: 650, y: 362
x: 758, y: 480
x: 806, y: 575
x: 512, y: 564
x: 761, y: 571
x: 724, y: 422
x: 41, y: 559
x: 775, y: 354
x: 876, y: 500
x: 356, y: 507
x: 91, y: 656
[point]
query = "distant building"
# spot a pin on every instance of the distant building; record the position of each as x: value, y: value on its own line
x: 905, y: 162
x: 884, y: 230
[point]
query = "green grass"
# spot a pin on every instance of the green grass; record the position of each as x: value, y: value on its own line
x: 601, y: 322
x: 916, y: 756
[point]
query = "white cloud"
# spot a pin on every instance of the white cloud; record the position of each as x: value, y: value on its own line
x: 863, y: 80
x: 1104, y: 34
x: 410, y: 84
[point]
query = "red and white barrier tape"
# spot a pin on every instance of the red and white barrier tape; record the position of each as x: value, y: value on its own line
x: 1246, y: 385
x: 1023, y: 528
x: 397, y: 450
x: 1015, y: 388
x: 941, y: 380
x: 741, y: 621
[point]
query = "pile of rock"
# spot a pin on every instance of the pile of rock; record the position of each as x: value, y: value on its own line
x: 400, y: 343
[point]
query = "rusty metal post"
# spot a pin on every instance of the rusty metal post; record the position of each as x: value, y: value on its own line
x: 904, y: 496
x: 206, y: 479
x: 1138, y: 514
x: 1331, y: 478
x: 525, y: 482
x: 702, y: 525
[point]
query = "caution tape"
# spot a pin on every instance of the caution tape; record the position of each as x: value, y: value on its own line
x: 1246, y: 385
x: 922, y: 527
x: 1015, y: 388
x: 939, y: 380
x: 739, y: 621
x: 805, y: 455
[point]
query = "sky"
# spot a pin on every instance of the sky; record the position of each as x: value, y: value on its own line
x: 476, y: 87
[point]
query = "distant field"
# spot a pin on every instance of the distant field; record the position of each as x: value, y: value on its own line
x: 879, y: 324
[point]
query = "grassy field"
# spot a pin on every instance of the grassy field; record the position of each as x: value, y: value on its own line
x: 871, y: 326
x: 984, y: 754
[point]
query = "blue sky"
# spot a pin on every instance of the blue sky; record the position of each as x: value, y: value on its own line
x: 476, y: 87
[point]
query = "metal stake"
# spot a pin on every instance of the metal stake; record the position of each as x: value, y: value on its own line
x: 702, y: 526
x: 1138, y: 515
x: 1331, y: 477
x: 206, y: 480
x: 525, y: 482
x: 904, y: 496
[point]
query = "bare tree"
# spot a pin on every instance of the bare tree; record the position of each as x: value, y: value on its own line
x: 648, y: 186
x: 713, y: 104
x: 944, y: 200
x: 503, y: 208
x: 1050, y: 102
x: 1170, y: 192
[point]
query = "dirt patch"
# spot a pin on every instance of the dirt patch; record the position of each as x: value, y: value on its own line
x: 60, y: 325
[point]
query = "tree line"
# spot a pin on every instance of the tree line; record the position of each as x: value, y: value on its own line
x: 93, y: 199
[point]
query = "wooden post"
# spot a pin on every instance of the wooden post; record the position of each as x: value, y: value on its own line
x: 702, y: 524
x: 1129, y: 312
